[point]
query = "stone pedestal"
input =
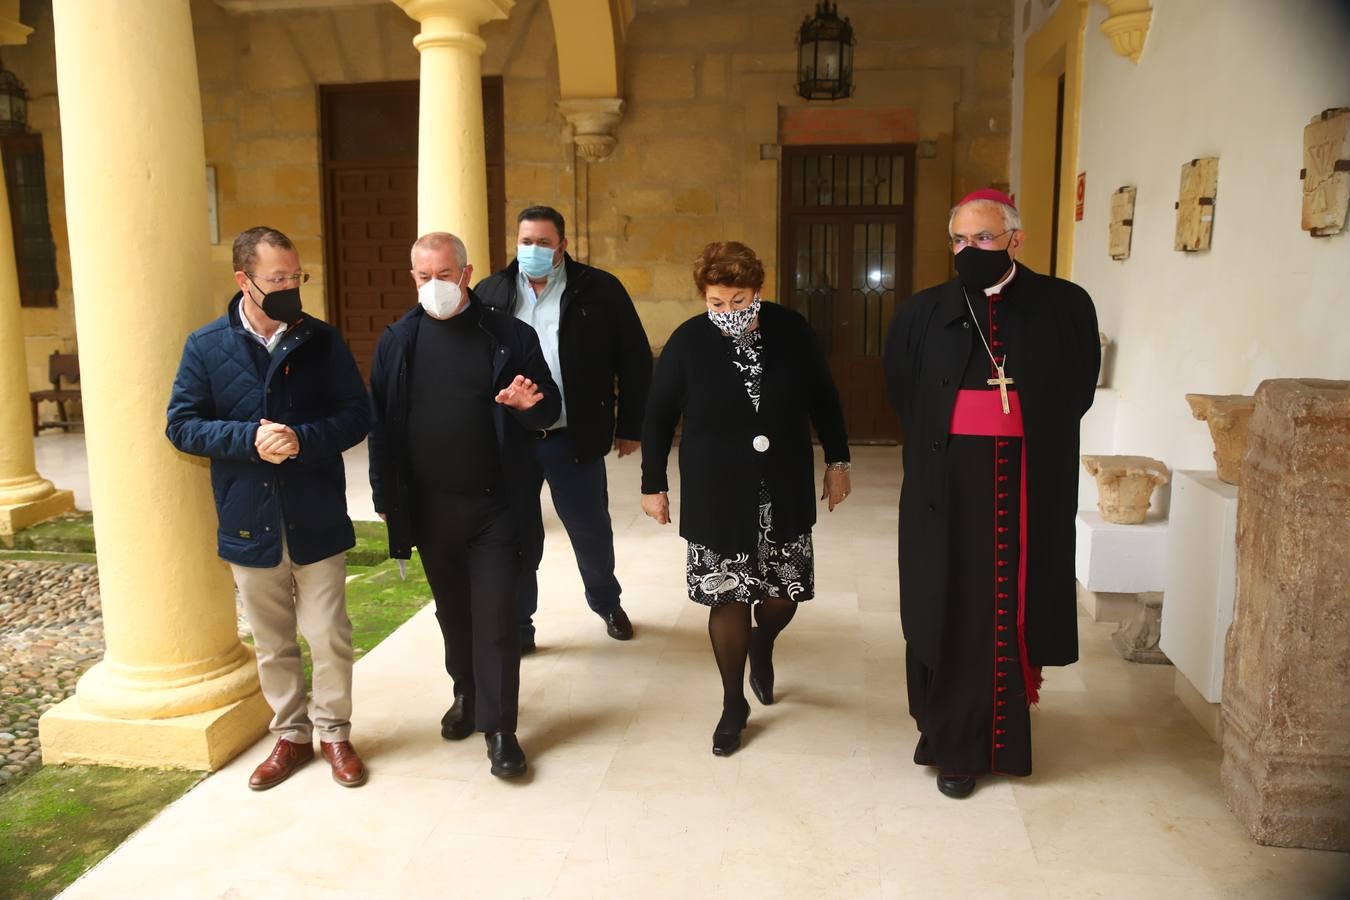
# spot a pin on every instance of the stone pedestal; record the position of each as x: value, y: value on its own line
x: 1227, y: 416
x: 1201, y: 579
x: 1125, y: 485
x: 1286, y: 768
x: 1122, y: 572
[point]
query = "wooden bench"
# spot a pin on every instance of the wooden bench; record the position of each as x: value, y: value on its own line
x: 60, y: 366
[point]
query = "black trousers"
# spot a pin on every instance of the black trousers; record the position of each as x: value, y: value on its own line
x: 471, y: 553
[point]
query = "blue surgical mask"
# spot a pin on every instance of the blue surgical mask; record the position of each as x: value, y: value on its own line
x: 535, y: 261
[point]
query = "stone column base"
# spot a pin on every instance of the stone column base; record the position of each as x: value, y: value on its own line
x: 17, y: 516
x: 203, y: 741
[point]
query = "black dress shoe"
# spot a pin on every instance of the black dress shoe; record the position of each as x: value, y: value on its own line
x: 956, y: 786
x: 761, y: 666
x: 727, y: 734
x: 526, y: 646
x: 503, y: 751
x: 617, y: 625
x: 457, y: 723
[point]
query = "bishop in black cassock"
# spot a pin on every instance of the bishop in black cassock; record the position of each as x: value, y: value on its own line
x: 990, y: 374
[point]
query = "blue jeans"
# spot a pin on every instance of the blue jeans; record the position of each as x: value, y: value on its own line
x: 580, y: 492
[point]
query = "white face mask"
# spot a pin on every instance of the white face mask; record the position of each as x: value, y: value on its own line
x: 441, y: 299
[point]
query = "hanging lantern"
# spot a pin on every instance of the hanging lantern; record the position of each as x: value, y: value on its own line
x: 13, y: 103
x: 825, y: 55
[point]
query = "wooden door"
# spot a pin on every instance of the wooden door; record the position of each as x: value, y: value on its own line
x: 370, y: 202
x: 848, y: 218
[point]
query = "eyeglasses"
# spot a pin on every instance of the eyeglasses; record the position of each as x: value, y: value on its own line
x: 984, y: 240
x: 298, y: 278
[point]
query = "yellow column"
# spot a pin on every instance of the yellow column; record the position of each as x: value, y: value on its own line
x: 175, y: 686
x: 451, y: 159
x: 25, y: 497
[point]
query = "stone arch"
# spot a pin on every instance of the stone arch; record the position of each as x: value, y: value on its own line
x: 589, y: 35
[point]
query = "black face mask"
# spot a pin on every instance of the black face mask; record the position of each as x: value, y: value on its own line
x: 979, y: 269
x: 280, y: 306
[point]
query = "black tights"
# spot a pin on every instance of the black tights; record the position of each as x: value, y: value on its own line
x: 729, y: 629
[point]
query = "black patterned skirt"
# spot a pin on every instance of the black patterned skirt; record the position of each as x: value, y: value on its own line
x: 777, y: 568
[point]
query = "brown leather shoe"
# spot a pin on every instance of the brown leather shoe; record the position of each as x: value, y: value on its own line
x: 348, y: 770
x: 286, y: 758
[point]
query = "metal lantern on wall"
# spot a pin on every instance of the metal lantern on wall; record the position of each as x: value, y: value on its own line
x: 13, y: 103
x: 825, y: 55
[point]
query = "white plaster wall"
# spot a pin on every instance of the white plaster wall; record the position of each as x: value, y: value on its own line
x: 1237, y: 79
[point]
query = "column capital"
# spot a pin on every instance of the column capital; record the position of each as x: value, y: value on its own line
x: 464, y: 13
x: 593, y: 120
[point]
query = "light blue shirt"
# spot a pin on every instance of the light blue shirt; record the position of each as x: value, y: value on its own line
x: 544, y: 313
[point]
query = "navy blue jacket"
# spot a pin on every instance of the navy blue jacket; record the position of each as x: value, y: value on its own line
x: 515, y: 351
x: 226, y: 383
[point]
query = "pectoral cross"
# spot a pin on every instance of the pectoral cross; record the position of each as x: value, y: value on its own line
x: 1002, y: 381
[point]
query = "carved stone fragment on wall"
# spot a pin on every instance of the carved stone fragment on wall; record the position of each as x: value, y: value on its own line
x: 1227, y: 416
x: 1122, y: 223
x: 1195, y: 204
x: 1326, y: 172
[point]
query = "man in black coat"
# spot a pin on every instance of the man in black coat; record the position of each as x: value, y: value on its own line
x: 598, y: 352
x: 990, y: 374
x: 457, y: 390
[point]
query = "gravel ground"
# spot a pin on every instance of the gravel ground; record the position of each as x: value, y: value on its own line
x: 51, y: 631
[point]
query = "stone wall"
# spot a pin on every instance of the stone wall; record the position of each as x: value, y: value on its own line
x: 705, y: 83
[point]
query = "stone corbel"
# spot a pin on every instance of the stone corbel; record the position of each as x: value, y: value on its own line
x: 1127, y: 26
x: 593, y: 121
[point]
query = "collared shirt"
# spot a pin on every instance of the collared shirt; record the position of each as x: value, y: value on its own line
x: 998, y: 288
x: 543, y: 313
x: 269, y: 344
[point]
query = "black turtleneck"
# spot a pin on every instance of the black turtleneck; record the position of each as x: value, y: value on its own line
x: 452, y: 442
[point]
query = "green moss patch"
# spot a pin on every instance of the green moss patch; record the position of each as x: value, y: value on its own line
x: 73, y: 533
x: 64, y: 819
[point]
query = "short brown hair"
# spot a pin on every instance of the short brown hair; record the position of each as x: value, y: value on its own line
x: 728, y: 263
x: 246, y: 245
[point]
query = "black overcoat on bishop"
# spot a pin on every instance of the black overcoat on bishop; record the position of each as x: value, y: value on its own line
x: 1049, y: 326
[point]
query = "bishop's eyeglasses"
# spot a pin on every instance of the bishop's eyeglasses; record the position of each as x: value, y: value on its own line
x: 984, y: 240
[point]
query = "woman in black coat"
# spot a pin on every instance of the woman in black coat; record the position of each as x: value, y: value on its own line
x: 749, y: 381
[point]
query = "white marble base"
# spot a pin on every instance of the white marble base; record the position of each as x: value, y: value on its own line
x: 1106, y: 606
x: 1209, y: 715
x: 1201, y: 578
x: 1120, y: 559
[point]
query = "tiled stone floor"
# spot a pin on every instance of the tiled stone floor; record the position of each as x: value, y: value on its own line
x: 625, y: 800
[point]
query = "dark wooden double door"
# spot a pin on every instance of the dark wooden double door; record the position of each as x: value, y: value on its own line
x: 845, y: 264
x: 370, y: 202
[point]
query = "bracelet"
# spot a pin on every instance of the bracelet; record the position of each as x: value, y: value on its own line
x: 839, y: 466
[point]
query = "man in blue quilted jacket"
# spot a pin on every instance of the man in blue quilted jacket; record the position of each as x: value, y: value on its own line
x: 273, y: 397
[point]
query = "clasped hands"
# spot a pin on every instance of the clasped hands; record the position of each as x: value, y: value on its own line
x: 275, y: 442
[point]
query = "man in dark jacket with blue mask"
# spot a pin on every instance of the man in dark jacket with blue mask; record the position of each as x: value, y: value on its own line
x: 458, y: 389
x: 599, y: 355
x: 273, y: 397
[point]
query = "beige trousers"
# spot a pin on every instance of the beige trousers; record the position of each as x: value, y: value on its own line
x: 314, y: 597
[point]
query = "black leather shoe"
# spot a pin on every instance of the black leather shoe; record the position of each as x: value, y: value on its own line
x: 727, y: 734
x: 761, y: 667
x: 526, y: 646
x: 957, y: 787
x: 457, y: 723
x: 503, y: 751
x: 617, y: 625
